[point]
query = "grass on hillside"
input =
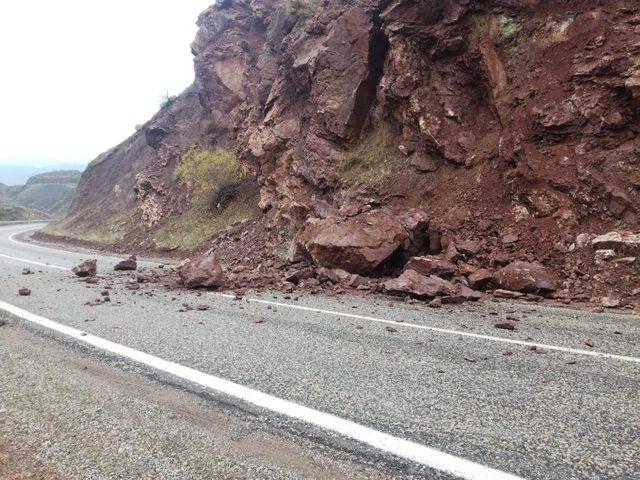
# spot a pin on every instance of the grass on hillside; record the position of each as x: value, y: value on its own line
x: 374, y: 161
x: 109, y: 231
x: 200, y: 224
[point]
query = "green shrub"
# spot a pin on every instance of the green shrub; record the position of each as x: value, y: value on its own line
x: 166, y: 100
x: 302, y: 8
x: 509, y: 27
x: 374, y: 161
x: 212, y: 177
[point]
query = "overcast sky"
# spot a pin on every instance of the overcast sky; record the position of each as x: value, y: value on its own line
x: 77, y: 76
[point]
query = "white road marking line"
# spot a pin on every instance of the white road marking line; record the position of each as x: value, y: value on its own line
x: 12, y: 239
x: 393, y: 445
x: 33, y: 262
x: 58, y: 251
x: 441, y: 330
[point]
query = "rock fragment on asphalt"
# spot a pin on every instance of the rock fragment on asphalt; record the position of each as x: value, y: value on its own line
x: 505, y: 325
x: 611, y: 301
x: 129, y: 264
x: 88, y: 268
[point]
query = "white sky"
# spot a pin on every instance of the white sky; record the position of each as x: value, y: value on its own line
x: 76, y: 76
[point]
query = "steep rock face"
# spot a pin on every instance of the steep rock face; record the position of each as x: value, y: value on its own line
x: 515, y: 121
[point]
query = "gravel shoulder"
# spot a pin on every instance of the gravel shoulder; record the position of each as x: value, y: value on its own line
x: 64, y: 415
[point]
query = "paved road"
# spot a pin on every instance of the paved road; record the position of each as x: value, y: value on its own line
x: 337, y: 394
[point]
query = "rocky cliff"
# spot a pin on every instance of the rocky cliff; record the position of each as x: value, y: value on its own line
x: 512, y: 124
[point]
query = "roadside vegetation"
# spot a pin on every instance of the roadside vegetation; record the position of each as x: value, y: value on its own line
x: 111, y: 230
x: 197, y: 226
x: 374, y: 161
x: 221, y: 195
x: 212, y: 177
x: 302, y: 8
x: 166, y: 100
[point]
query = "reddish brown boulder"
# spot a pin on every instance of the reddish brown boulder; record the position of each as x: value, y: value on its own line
x: 500, y: 293
x: 431, y: 265
x: 505, y: 325
x: 88, y: 268
x: 300, y: 274
x: 129, y: 264
x: 462, y: 294
x: 468, y: 247
x: 481, y: 279
x: 337, y: 275
x: 525, y: 277
x: 357, y: 244
x: 416, y: 223
x: 611, y: 301
x: 466, y: 270
x: 623, y: 242
x: 420, y: 286
x: 24, y: 292
x: 201, y: 273
x: 452, y: 254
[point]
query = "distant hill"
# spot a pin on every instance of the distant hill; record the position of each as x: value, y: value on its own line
x: 4, y: 190
x: 56, y: 177
x: 20, y: 174
x: 48, y: 192
x: 12, y: 213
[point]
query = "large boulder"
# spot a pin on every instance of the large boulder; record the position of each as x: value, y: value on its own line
x: 204, y: 272
x: 358, y: 244
x: 88, y: 268
x: 480, y: 279
x: 525, y: 277
x: 622, y: 242
x: 416, y: 223
x: 432, y: 265
x: 420, y: 286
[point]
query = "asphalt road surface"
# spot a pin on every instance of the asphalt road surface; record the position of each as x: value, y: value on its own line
x: 302, y: 386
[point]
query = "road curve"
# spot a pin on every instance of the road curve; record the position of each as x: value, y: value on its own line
x: 444, y: 396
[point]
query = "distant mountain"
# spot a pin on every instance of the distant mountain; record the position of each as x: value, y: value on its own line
x: 48, y: 192
x: 19, y: 174
x: 11, y: 213
x: 56, y: 177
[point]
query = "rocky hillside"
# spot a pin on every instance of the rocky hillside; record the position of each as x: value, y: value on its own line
x: 49, y: 193
x: 508, y: 126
